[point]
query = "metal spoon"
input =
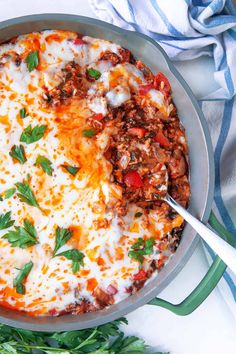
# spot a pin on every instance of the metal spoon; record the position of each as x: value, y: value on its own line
x: 226, y: 252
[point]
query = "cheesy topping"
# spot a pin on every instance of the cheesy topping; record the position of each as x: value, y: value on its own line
x: 59, y: 159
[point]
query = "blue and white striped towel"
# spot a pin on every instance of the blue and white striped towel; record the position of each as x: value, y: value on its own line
x: 187, y: 29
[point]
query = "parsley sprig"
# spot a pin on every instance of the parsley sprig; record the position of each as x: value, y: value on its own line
x: 5, y: 221
x: 141, y: 248
x: 26, y: 194
x: 45, y: 164
x: 18, y: 153
x: 62, y: 236
x: 75, y: 256
x: 22, y: 236
x: 105, y: 339
x: 18, y: 282
x: 31, y: 135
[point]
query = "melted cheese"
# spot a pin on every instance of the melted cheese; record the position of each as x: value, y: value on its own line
x: 79, y: 202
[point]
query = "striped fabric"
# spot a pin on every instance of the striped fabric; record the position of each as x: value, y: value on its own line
x: 187, y: 29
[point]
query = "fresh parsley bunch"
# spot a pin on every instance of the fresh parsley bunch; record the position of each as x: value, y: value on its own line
x: 105, y: 339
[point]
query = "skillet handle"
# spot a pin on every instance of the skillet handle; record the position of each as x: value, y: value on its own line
x: 207, y: 284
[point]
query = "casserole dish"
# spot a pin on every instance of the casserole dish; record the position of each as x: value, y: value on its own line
x: 202, y: 175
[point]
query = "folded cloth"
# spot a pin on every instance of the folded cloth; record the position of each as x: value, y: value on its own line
x: 220, y: 117
x: 187, y: 29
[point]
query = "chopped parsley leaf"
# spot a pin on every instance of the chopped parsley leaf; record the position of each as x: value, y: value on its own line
x: 89, y: 133
x: 32, y: 60
x: 18, y: 153
x: 20, y: 278
x: 71, y: 169
x: 5, y: 221
x: 141, y: 248
x: 93, y: 73
x: 9, y: 193
x: 23, y: 113
x: 45, y: 164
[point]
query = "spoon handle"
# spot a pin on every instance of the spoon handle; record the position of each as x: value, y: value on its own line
x: 226, y: 252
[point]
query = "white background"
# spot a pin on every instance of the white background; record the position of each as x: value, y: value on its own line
x: 211, y: 329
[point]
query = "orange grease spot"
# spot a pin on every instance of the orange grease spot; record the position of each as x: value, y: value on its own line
x: 91, y: 284
x: 79, y: 238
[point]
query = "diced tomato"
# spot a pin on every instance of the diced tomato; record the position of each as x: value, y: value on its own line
x: 78, y: 41
x: 53, y: 312
x: 143, y: 89
x: 98, y: 116
x: 174, y: 175
x: 140, y: 276
x: 139, y: 132
x: 160, y: 263
x: 111, y: 289
x: 162, y: 139
x: 129, y: 290
x: 177, y: 165
x: 133, y: 179
x: 159, y: 78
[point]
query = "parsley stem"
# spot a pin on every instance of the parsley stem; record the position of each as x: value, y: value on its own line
x: 85, y: 342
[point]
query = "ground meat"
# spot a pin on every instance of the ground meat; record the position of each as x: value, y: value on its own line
x: 95, y: 123
x: 83, y: 307
x: 18, y: 60
x: 73, y: 84
x: 177, y: 164
x: 15, y: 57
x: 145, y: 70
x: 136, y: 151
x: 174, y: 238
x: 76, y: 308
x: 124, y: 56
x: 12, y: 40
x: 111, y: 57
x: 139, y: 284
x: 180, y: 190
x: 103, y: 299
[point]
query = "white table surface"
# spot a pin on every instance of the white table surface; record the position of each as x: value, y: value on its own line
x: 211, y: 328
